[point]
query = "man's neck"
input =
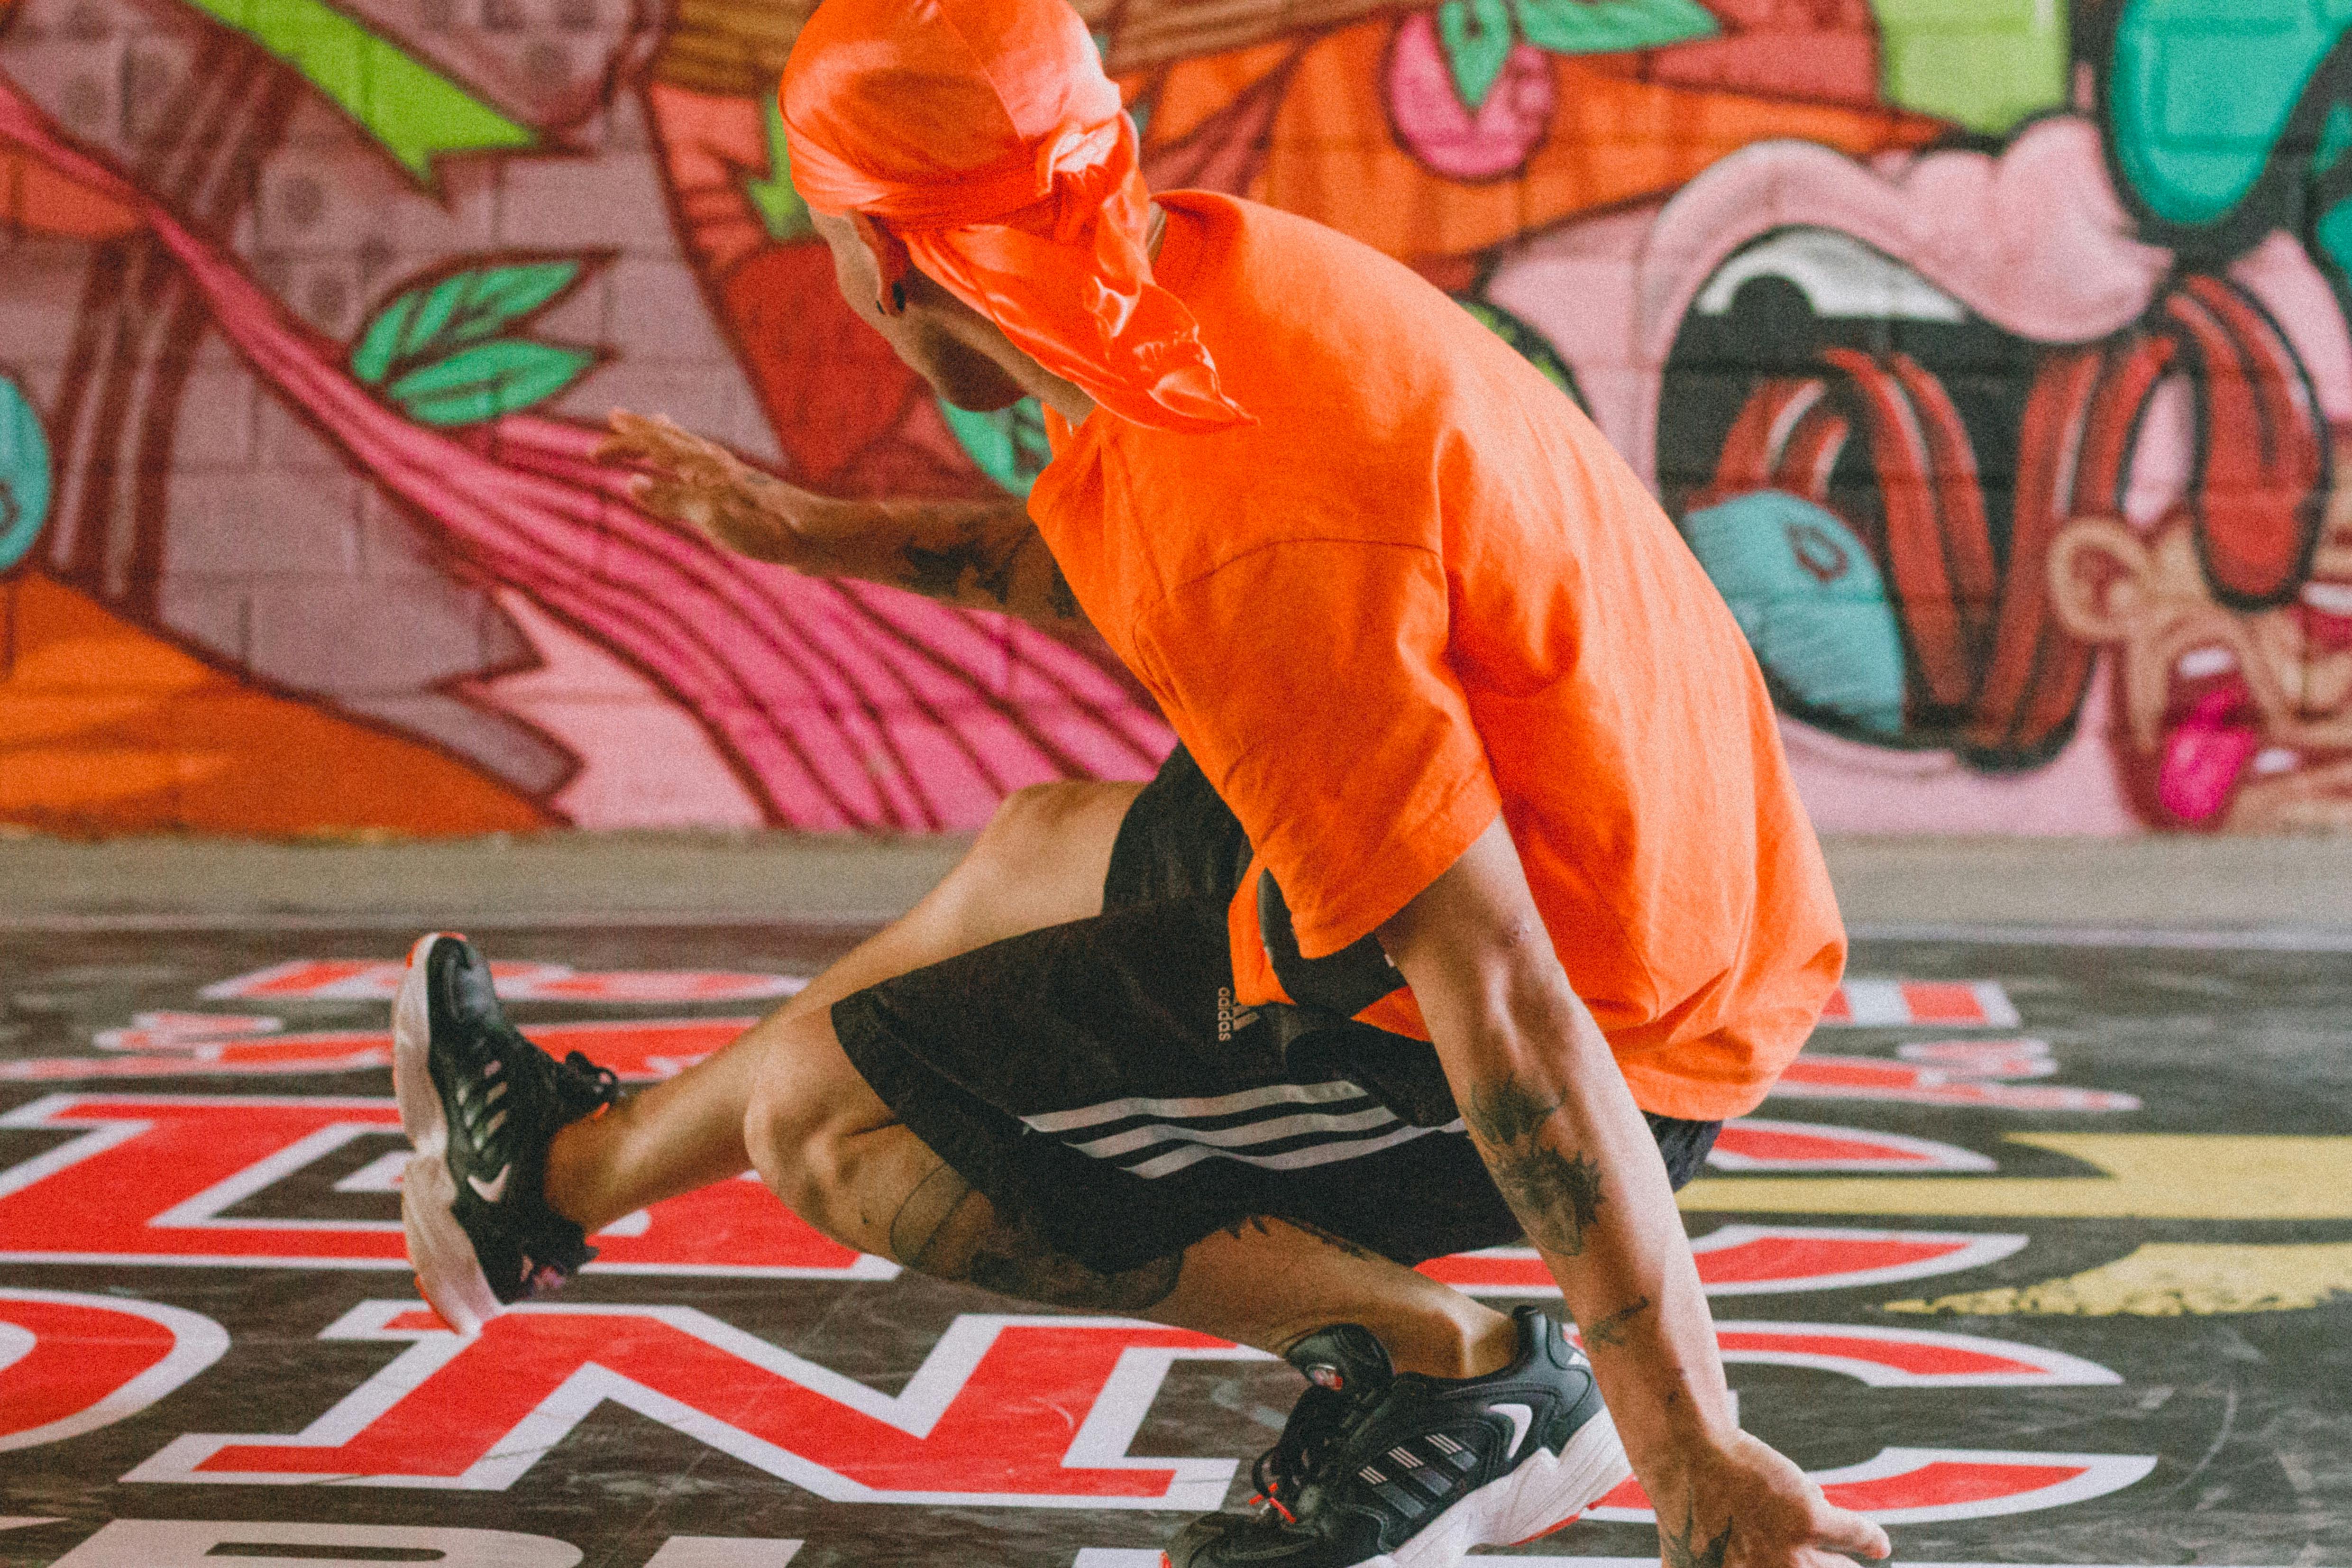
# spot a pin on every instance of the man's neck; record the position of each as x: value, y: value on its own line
x: 1064, y: 397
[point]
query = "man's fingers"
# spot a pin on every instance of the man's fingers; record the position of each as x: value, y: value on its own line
x: 681, y: 503
x: 1811, y: 1558
x: 1841, y: 1530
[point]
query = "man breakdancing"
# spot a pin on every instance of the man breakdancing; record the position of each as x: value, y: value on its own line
x: 1475, y: 896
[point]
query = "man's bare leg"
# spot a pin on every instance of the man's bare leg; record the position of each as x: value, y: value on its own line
x: 828, y: 1146
x: 1041, y: 862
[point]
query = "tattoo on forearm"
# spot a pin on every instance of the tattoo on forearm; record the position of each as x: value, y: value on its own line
x: 1686, y: 1551
x: 1504, y: 1112
x: 1556, y: 1193
x: 1557, y: 1196
x: 948, y: 1230
x: 940, y: 573
x: 1610, y: 1329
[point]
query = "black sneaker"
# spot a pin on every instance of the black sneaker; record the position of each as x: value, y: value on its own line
x: 1383, y: 1469
x: 481, y: 1104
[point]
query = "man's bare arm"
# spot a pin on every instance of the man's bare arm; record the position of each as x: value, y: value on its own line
x: 1550, y: 1114
x: 985, y: 555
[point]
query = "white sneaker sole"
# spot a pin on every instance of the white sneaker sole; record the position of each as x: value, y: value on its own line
x: 1539, y: 1497
x: 447, y: 1272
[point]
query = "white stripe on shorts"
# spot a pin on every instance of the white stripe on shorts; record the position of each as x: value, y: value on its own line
x: 1177, y: 1159
x: 1242, y: 1137
x: 1200, y: 1107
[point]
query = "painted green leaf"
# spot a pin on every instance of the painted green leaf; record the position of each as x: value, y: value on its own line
x: 1531, y: 344
x: 1477, y: 36
x: 414, y: 111
x: 1009, y: 445
x: 420, y: 323
x: 505, y: 375
x: 24, y: 474
x: 781, y: 209
x: 1607, y: 26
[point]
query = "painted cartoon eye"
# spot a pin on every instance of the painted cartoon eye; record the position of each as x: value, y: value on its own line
x: 1814, y: 608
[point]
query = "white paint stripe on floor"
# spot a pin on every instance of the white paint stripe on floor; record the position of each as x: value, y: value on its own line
x: 722, y: 1552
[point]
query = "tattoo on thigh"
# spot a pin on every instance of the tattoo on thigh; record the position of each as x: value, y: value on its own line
x: 918, y: 1225
x: 947, y: 1229
x: 1556, y: 1193
x: 1686, y: 1551
x: 1610, y: 1329
x: 1015, y: 1260
x: 1336, y: 1242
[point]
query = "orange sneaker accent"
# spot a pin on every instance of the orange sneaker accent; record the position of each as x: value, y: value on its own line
x: 1553, y: 1530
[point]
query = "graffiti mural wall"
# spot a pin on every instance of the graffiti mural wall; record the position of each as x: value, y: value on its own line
x: 1992, y: 358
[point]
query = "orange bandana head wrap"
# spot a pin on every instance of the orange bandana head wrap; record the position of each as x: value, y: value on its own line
x: 979, y: 140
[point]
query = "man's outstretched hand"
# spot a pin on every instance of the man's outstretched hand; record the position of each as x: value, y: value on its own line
x: 689, y: 479
x: 1747, y: 1507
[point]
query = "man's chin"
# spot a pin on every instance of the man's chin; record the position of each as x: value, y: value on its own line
x: 976, y: 397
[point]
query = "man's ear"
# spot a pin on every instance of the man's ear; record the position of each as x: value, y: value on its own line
x: 2099, y: 578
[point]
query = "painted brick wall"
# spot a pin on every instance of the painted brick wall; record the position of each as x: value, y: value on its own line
x: 1991, y: 357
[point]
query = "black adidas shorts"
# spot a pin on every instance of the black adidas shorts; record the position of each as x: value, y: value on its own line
x: 1097, y: 1081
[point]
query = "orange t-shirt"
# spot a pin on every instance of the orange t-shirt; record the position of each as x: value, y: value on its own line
x: 1423, y: 589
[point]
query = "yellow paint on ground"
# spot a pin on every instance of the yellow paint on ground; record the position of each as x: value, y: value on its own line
x: 2148, y: 1175
x: 2168, y: 1279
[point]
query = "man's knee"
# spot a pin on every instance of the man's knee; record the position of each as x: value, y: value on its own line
x: 805, y: 1109
x: 1041, y: 858
x: 1034, y: 821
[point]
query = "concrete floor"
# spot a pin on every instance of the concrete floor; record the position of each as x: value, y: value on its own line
x: 2043, y: 1253
x: 2291, y: 886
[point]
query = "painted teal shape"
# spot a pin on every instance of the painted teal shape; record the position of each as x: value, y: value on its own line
x: 24, y: 474
x: 505, y: 375
x: 1476, y: 37
x: 2334, y: 138
x: 420, y: 323
x: 2199, y: 92
x: 1009, y: 445
x: 1811, y: 602
x: 2332, y: 234
x: 1609, y: 26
